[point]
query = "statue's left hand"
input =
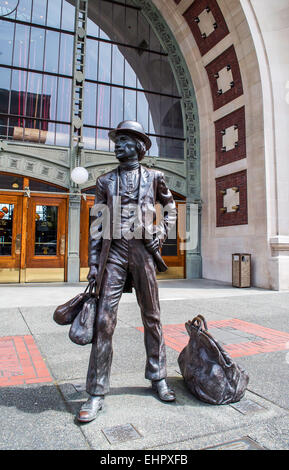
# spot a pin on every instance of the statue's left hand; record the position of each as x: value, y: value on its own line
x: 152, y: 245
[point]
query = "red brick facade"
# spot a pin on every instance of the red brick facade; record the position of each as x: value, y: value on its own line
x: 240, y: 217
x: 221, y: 29
x: 237, y: 119
x: 227, y: 59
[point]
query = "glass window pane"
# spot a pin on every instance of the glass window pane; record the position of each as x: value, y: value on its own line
x: 89, y: 137
x: 103, y: 106
x: 130, y: 105
x: 23, y: 12
x: 68, y: 16
x: 21, y: 46
x: 49, y: 97
x: 46, y: 230
x: 90, y: 90
x: 130, y: 76
x: 102, y: 141
x: 53, y: 13
x: 117, y: 66
x: 18, y: 95
x: 142, y: 110
x: 104, y: 62
x: 47, y: 134
x: 66, y: 54
x: 39, y: 11
x: 62, y: 136
x: 6, y: 42
x: 64, y: 99
x: 51, y: 51
x: 5, y: 75
x: 92, y: 28
x: 36, y: 48
x: 6, y: 229
x: 33, y: 100
x: 91, y: 59
x: 116, y: 106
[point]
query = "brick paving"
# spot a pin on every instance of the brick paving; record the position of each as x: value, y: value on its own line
x: 21, y: 362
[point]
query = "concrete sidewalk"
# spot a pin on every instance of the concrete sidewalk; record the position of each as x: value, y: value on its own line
x: 42, y: 374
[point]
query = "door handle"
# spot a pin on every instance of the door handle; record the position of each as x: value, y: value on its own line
x: 62, y: 245
x: 18, y: 244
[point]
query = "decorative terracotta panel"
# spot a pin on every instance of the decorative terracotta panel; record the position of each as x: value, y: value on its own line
x: 228, y: 148
x: 208, y: 13
x: 236, y: 213
x: 220, y: 71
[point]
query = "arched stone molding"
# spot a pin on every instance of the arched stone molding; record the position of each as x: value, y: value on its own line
x: 218, y: 243
x: 50, y: 164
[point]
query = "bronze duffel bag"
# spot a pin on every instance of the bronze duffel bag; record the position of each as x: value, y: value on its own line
x: 66, y: 313
x: 209, y: 372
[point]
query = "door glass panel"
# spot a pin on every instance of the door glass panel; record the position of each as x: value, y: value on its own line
x: 6, y: 228
x: 46, y: 230
x: 170, y: 247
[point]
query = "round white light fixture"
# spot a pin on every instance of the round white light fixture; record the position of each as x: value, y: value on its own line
x: 79, y: 175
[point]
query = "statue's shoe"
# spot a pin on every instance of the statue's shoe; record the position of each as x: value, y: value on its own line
x: 89, y: 409
x: 162, y: 389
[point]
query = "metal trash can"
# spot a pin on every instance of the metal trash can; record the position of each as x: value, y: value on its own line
x: 241, y: 270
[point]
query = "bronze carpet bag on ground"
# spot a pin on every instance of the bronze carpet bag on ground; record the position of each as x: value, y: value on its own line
x: 209, y: 372
x: 66, y: 313
x: 82, y: 329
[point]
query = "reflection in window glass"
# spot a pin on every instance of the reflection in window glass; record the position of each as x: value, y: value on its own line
x: 46, y: 230
x: 6, y: 42
x: 6, y: 229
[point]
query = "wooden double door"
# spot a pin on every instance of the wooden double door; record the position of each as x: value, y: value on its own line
x: 32, y: 238
x: 172, y: 254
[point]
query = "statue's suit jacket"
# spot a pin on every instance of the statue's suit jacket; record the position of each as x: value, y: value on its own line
x: 152, y: 189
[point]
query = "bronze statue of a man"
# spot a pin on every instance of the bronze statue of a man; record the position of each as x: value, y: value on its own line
x: 127, y: 256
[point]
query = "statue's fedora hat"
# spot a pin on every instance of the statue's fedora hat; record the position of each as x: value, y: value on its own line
x: 133, y: 128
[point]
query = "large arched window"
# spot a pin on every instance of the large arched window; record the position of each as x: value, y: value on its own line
x: 36, y: 56
x: 128, y: 76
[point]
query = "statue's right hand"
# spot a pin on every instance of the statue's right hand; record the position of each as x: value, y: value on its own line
x: 92, y: 275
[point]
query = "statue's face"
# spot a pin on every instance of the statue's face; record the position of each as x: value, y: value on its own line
x: 125, y: 147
